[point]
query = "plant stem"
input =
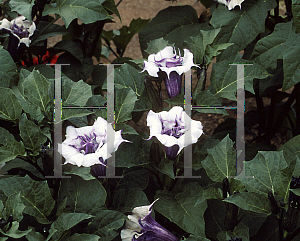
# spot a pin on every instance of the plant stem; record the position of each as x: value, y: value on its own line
x: 260, y: 110
x: 293, y: 235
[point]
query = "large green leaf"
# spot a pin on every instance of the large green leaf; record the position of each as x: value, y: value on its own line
x: 185, y: 208
x: 35, y: 195
x: 207, y: 99
x: 129, y: 77
x: 175, y: 24
x: 75, y: 93
x: 254, y: 202
x: 66, y: 221
x: 14, y: 231
x: 86, y: 11
x: 241, y: 26
x: 82, y: 196
x: 6, y: 136
x: 10, y: 108
x: 241, y: 231
x: 83, y: 172
x: 83, y: 237
x: 74, y: 113
x: 15, y: 206
x: 281, y: 44
x: 35, y: 89
x: 11, y: 150
x: 134, y: 177
x: 8, y: 68
x: 220, y: 162
x: 34, y: 236
x: 106, y: 223
x: 125, y: 101
x: 296, y: 14
x: 224, y: 76
x: 31, y: 134
x: 270, y: 172
x: 22, y: 7
x: 127, y: 199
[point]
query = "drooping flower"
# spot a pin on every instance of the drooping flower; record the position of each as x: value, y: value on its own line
x: 169, y: 128
x: 20, y: 30
x: 231, y: 3
x: 173, y: 65
x: 140, y: 226
x: 87, y: 146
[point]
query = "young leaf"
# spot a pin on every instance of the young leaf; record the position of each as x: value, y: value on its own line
x: 185, y: 208
x: 8, y: 68
x: 10, y: 108
x: 221, y: 159
x: 35, y: 195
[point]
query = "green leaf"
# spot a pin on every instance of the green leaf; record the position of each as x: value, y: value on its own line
x: 31, y: 134
x: 178, y: 100
x: 166, y: 167
x: 296, y: 191
x: 254, y: 202
x: 13, y: 232
x: 83, y: 196
x: 35, y: 89
x: 241, y: 230
x: 281, y: 44
x: 6, y: 136
x: 74, y: 113
x: 83, y: 237
x: 35, y: 195
x: 224, y: 77
x: 126, y: 129
x: 207, y: 99
x: 10, y: 108
x: 125, y: 100
x: 75, y: 93
x: 87, y: 12
x: 129, y: 77
x: 66, y: 221
x: 221, y: 159
x: 70, y: 46
x: 8, y: 68
x: 291, y: 149
x: 34, y: 236
x: 175, y: 24
x: 15, y: 206
x: 131, y: 154
x: 134, y: 177
x: 185, y: 208
x: 125, y: 200
x: 11, y: 150
x: 296, y: 14
x: 126, y: 33
x: 22, y: 7
x: 110, y: 6
x: 83, y: 172
x: 96, y: 100
x: 105, y: 224
x: 241, y: 27
x: 270, y: 171
x: 156, y: 45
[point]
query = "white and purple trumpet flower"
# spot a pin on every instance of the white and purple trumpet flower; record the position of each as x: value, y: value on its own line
x: 169, y: 128
x: 20, y: 30
x: 140, y: 226
x: 173, y: 65
x: 87, y: 146
x: 231, y: 3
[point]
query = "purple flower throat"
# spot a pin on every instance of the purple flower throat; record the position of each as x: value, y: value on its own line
x: 170, y: 62
x: 22, y: 32
x: 88, y: 144
x: 177, y: 130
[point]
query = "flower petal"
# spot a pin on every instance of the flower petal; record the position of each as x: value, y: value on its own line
x: 151, y: 68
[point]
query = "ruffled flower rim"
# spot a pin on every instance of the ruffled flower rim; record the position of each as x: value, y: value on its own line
x: 167, y: 61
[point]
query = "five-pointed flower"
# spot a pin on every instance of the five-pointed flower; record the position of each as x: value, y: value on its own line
x: 169, y: 128
x: 173, y: 65
x: 88, y: 145
x: 231, y: 3
x: 140, y: 226
x: 20, y: 28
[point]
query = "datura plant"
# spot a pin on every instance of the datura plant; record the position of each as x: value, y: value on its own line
x: 194, y: 137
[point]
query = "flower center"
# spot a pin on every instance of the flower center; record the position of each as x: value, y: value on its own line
x: 22, y: 31
x: 88, y: 144
x: 169, y: 62
x: 177, y: 130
